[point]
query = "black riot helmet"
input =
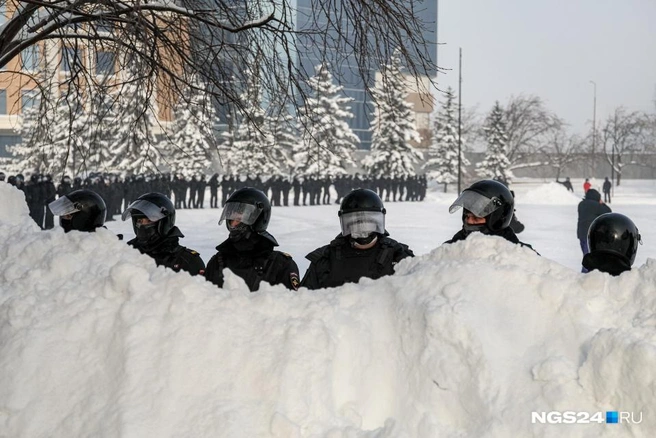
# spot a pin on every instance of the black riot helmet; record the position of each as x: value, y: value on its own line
x: 154, y: 206
x: 81, y: 210
x: 489, y: 199
x: 249, y: 206
x: 614, y: 233
x: 361, y: 214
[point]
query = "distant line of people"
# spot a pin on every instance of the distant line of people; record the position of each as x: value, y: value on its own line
x: 362, y: 249
x: 119, y: 192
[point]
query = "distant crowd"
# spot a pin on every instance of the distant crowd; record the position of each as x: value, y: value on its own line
x: 119, y: 192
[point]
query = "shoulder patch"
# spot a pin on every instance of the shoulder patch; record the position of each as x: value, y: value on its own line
x: 192, y: 251
x: 286, y: 254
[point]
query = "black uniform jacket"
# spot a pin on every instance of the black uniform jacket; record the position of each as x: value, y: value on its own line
x: 338, y: 263
x: 261, y: 263
x: 506, y: 233
x: 169, y: 253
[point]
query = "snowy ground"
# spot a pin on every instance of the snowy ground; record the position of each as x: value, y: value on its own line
x: 466, y: 340
x: 548, y: 211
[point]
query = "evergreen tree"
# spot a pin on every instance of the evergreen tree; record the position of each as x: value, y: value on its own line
x: 285, y: 138
x: 192, y: 142
x: 134, y: 150
x: 442, y: 163
x: 104, y: 127
x: 68, y: 148
x: 28, y: 155
x: 495, y: 165
x: 251, y: 142
x: 328, y: 142
x: 393, y: 128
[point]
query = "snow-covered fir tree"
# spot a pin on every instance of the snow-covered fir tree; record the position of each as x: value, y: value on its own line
x: 285, y: 137
x: 251, y: 141
x: 68, y: 148
x: 393, y: 128
x: 192, y: 142
x: 496, y: 164
x: 104, y: 127
x: 328, y: 143
x: 135, y: 148
x: 442, y: 163
x: 28, y: 154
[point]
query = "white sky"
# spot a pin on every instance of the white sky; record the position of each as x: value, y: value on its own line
x: 552, y: 48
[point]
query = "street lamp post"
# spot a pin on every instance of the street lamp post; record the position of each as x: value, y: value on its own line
x: 459, y: 120
x: 594, y: 130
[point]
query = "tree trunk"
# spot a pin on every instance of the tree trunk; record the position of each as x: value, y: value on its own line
x: 445, y: 187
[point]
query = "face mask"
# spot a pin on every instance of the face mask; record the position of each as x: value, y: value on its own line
x: 481, y: 228
x: 146, y: 233
x: 240, y: 236
x: 66, y: 224
x: 364, y: 240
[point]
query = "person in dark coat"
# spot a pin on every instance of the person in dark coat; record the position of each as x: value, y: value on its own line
x: 589, y: 209
x: 606, y: 189
x: 613, y: 241
x: 153, y: 221
x: 567, y: 184
x: 202, y: 183
x: 296, y: 186
x: 363, y: 249
x: 487, y: 207
x: 248, y: 252
x: 214, y: 190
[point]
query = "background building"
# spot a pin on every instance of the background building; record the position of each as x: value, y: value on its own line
x: 348, y: 75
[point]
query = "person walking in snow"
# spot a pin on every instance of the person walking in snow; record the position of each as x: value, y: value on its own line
x: 567, y: 184
x: 586, y: 185
x: 248, y: 252
x: 488, y: 208
x: 363, y: 249
x: 613, y: 242
x: 606, y: 189
x: 153, y: 221
x: 589, y: 209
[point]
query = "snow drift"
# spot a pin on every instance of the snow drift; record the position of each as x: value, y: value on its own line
x: 95, y: 340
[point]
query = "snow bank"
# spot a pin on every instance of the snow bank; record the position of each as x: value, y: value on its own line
x: 468, y: 340
x: 551, y: 193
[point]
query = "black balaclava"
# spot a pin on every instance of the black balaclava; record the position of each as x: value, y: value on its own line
x: 481, y: 228
x: 146, y: 234
x: 241, y: 237
x: 364, y: 240
x: 66, y: 224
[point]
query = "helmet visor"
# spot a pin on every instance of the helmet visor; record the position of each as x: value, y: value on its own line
x: 150, y: 210
x: 237, y: 211
x: 63, y: 206
x: 360, y: 224
x: 478, y: 204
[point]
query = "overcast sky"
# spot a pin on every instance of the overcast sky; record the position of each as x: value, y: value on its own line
x: 552, y: 48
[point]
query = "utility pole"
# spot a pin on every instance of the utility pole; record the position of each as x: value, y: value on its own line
x: 459, y: 120
x: 594, y: 131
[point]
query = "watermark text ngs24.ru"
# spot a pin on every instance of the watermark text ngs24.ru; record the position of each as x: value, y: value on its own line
x: 573, y: 417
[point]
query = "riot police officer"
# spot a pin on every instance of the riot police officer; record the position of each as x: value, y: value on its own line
x: 613, y: 242
x: 248, y: 251
x: 363, y: 249
x: 488, y: 208
x: 81, y: 210
x: 153, y: 221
